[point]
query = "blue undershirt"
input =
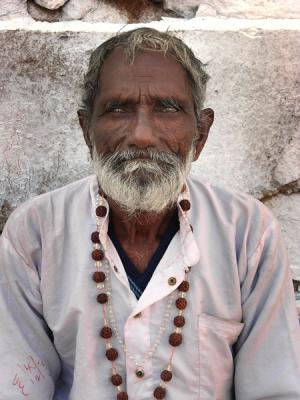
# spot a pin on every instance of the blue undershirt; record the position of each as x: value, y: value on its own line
x: 139, y: 280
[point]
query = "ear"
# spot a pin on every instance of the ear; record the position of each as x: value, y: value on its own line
x: 205, y: 122
x: 84, y: 123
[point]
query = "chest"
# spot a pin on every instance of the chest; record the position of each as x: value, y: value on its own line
x: 141, y: 253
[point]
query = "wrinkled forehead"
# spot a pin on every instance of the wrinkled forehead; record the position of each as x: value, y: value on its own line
x: 148, y: 67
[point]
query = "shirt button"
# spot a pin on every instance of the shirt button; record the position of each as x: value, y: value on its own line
x: 116, y: 269
x: 172, y: 281
x: 137, y: 315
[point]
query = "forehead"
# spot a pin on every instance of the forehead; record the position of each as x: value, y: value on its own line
x: 162, y: 72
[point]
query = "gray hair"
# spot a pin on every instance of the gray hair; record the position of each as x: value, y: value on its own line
x: 145, y: 39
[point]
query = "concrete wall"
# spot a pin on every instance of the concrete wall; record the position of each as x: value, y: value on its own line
x: 254, y: 89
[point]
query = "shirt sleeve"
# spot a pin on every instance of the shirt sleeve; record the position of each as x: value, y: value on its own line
x: 29, y: 363
x: 267, y: 362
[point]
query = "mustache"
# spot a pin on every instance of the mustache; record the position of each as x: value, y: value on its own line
x: 144, y: 155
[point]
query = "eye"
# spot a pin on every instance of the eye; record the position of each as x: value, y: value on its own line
x: 168, y: 105
x: 116, y: 110
x: 169, y: 109
x: 115, y: 107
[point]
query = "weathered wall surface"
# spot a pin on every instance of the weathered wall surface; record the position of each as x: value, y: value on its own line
x: 145, y: 10
x: 254, y: 89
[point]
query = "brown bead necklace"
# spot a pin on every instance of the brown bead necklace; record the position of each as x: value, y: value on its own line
x: 102, y: 279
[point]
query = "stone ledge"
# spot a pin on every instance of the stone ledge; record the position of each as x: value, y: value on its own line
x: 171, y: 24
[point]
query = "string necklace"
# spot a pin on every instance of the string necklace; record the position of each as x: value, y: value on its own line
x: 101, y: 277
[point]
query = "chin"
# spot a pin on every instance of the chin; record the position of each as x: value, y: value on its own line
x: 141, y: 177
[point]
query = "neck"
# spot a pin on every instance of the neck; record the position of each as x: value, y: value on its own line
x: 142, y: 226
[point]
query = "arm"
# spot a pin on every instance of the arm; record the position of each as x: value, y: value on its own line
x: 29, y: 364
x: 268, y: 350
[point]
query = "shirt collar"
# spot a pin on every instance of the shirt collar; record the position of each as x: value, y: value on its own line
x: 189, y: 247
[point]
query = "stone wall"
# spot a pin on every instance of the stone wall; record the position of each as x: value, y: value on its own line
x: 251, y: 51
x: 128, y: 11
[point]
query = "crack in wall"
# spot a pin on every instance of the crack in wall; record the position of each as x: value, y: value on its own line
x: 287, y: 189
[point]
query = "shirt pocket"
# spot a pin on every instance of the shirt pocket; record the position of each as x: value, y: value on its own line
x: 216, y: 337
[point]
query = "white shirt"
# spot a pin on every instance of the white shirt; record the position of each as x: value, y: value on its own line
x: 241, y: 339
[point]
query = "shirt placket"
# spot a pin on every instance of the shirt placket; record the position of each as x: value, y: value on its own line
x: 139, y: 368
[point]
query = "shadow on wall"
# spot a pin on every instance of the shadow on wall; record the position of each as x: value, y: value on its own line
x: 5, y: 210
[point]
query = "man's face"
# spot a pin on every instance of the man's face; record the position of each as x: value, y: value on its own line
x: 145, y: 105
x: 143, y: 130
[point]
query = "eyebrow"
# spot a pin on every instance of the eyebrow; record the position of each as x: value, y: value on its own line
x: 170, y: 102
x: 165, y: 101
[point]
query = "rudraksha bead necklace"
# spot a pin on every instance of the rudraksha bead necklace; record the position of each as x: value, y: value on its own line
x: 102, y: 279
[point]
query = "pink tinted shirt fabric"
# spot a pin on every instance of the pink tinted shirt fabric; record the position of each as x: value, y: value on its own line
x: 241, y: 339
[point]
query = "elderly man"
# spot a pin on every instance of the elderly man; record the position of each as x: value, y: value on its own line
x: 140, y: 281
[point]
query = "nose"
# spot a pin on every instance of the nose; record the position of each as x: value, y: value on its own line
x: 142, y: 134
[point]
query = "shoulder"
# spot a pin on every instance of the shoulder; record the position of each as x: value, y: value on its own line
x: 30, y: 215
x: 233, y: 214
x: 228, y: 202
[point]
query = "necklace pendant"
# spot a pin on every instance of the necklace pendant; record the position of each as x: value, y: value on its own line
x: 139, y: 372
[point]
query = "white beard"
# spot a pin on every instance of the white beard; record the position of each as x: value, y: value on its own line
x: 149, y: 185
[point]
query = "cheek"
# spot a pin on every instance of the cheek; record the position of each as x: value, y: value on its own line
x: 107, y: 134
x: 103, y: 145
x: 179, y: 135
